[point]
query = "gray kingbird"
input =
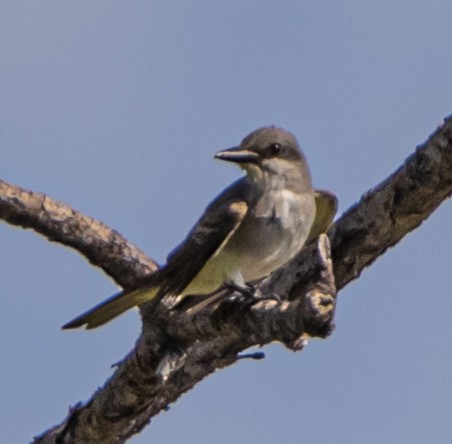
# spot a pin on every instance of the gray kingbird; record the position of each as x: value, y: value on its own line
x: 252, y: 228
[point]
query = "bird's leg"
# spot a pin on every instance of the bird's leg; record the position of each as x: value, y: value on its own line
x: 251, y: 291
x: 245, y: 290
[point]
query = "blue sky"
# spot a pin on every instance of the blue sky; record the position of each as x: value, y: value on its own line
x: 117, y: 108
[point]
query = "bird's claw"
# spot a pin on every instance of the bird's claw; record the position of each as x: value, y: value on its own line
x: 245, y: 290
x: 248, y: 292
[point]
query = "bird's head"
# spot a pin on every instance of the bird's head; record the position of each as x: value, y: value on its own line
x: 268, y: 152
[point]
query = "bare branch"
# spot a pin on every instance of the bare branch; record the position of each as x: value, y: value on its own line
x: 174, y: 352
x: 102, y: 246
x: 398, y: 205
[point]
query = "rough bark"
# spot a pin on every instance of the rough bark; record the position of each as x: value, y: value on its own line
x: 175, y: 350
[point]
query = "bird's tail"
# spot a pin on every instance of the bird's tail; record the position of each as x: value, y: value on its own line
x: 112, y: 307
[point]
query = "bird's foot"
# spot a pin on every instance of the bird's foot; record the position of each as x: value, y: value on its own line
x: 250, y: 292
x: 246, y: 290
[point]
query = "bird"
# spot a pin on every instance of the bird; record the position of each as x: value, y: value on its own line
x: 252, y: 228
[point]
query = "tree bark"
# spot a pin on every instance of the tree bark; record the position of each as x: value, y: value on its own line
x: 172, y: 354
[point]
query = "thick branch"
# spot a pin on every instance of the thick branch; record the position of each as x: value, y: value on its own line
x: 177, y: 350
x: 172, y: 355
x: 398, y: 205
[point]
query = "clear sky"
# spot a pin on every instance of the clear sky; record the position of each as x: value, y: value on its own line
x: 117, y: 108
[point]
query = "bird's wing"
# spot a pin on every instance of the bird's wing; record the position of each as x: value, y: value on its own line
x: 207, y: 238
x: 326, y: 208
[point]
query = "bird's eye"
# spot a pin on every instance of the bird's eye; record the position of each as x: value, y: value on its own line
x: 274, y: 149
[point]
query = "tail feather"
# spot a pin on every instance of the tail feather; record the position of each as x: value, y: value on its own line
x: 112, y: 307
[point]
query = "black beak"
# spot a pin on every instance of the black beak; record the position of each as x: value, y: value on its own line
x: 237, y: 155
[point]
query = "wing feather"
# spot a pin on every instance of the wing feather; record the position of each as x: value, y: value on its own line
x: 206, y: 239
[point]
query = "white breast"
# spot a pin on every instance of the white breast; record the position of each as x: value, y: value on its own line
x: 294, y: 213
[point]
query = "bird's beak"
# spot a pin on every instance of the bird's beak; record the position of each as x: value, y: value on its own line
x: 237, y: 155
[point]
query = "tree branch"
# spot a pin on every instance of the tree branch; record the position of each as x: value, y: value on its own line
x: 398, y: 205
x: 172, y: 354
x: 103, y: 247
